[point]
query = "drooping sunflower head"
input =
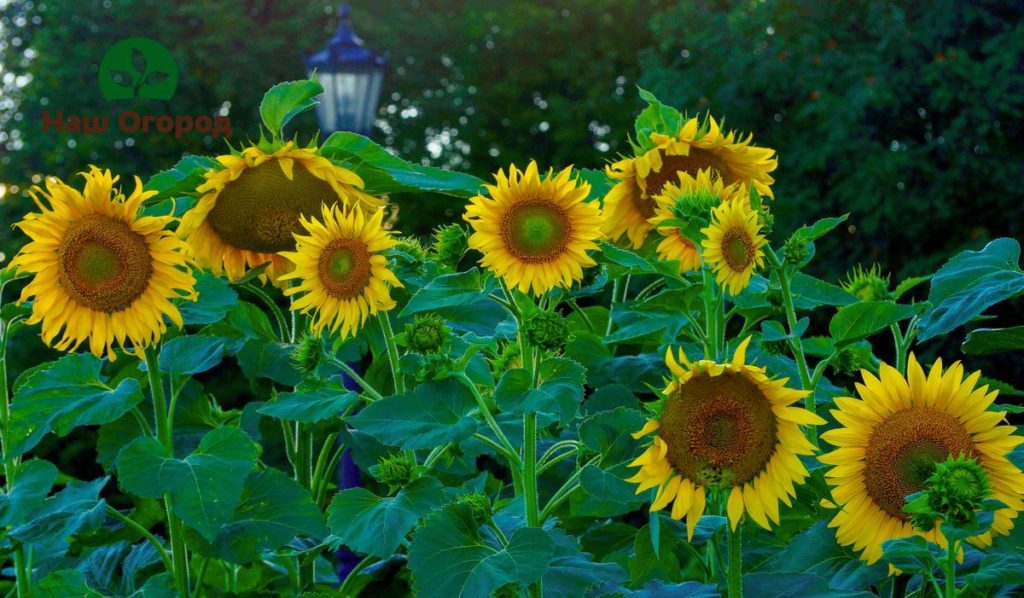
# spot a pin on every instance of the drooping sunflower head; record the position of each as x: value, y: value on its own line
x: 724, y: 427
x: 688, y: 202
x: 891, y: 439
x: 102, y: 272
x: 699, y: 144
x: 733, y: 244
x: 534, y: 231
x: 340, y: 270
x: 251, y: 206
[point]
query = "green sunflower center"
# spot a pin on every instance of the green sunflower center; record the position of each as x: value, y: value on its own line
x: 536, y: 231
x: 903, y: 450
x: 104, y: 264
x: 719, y: 428
x: 345, y: 268
x: 260, y: 209
x: 671, y: 166
x: 737, y: 249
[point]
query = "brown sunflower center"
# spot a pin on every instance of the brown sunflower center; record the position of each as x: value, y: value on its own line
x: 737, y: 249
x: 671, y: 166
x: 719, y: 429
x: 104, y: 264
x: 536, y: 231
x: 903, y: 450
x: 260, y: 209
x: 643, y: 204
x: 345, y: 268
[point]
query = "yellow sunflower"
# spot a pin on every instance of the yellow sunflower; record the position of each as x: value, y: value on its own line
x: 535, y: 231
x: 725, y: 427
x: 732, y: 244
x: 341, y: 269
x: 102, y: 272
x: 890, y: 439
x: 630, y: 204
x: 689, y: 197
x: 252, y: 205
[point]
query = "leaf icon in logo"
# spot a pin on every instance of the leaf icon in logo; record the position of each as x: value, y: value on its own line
x: 138, y: 67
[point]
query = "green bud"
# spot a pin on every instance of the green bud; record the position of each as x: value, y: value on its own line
x: 507, y: 358
x: 794, y: 252
x: 548, y: 331
x: 427, y: 334
x: 450, y: 243
x: 306, y: 355
x: 766, y: 219
x: 851, y: 360
x: 413, y: 247
x: 867, y: 285
x: 957, y: 488
x: 479, y: 504
x: 394, y: 470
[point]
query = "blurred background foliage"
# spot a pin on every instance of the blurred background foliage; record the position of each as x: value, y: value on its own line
x: 905, y: 114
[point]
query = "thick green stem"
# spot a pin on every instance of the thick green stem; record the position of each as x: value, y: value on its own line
x: 735, y: 562
x: 153, y: 541
x: 165, y: 434
x: 481, y: 404
x: 21, y: 570
x: 304, y: 476
x: 366, y: 386
x: 530, y: 469
x: 389, y: 340
x: 712, y: 336
x: 950, y: 569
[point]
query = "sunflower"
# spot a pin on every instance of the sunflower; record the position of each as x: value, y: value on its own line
x: 890, y: 440
x: 252, y: 205
x: 341, y: 269
x: 691, y: 199
x: 725, y: 427
x: 732, y: 244
x: 535, y: 231
x: 695, y: 146
x: 102, y: 272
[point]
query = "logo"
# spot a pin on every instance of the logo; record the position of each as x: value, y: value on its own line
x: 138, y: 67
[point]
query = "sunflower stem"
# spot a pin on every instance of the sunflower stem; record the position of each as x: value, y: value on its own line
x: 267, y: 300
x: 712, y: 336
x: 21, y: 569
x: 950, y: 566
x: 795, y: 343
x: 389, y: 340
x: 164, y: 420
x: 735, y: 561
x: 481, y: 404
x: 304, y: 476
x: 366, y: 386
x: 142, y: 531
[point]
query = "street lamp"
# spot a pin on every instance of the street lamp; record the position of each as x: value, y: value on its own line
x: 351, y: 75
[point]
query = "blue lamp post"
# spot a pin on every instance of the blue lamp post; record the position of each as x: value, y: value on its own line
x: 352, y: 76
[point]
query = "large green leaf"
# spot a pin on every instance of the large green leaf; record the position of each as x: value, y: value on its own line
x: 204, y: 488
x: 377, y: 525
x: 216, y: 297
x: 63, y: 395
x: 451, y: 290
x: 452, y: 557
x: 273, y: 511
x: 793, y: 585
x: 559, y: 391
x: 383, y: 172
x: 912, y: 554
x: 286, y: 100
x: 428, y: 416
x: 860, y: 320
x: 572, y: 572
x: 180, y: 179
x: 311, y: 402
x: 63, y: 583
x: 76, y: 508
x: 994, y: 340
x: 655, y: 118
x: 816, y: 551
x: 190, y: 355
x: 604, y: 492
x: 32, y: 482
x: 970, y: 283
x: 999, y: 569
x: 810, y: 233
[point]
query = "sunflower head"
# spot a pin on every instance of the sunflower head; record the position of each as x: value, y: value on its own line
x: 725, y: 428
x: 891, y: 440
x: 697, y: 145
x: 450, y: 244
x: 340, y: 270
x: 867, y: 285
x: 535, y: 231
x: 252, y: 205
x: 427, y: 334
x: 733, y: 244
x: 102, y: 272
x: 954, y: 493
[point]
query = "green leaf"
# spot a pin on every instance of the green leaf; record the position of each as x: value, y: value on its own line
x: 190, y: 355
x: 650, y: 562
x: 216, y: 297
x: 629, y: 262
x: 816, y: 551
x: 76, y: 508
x: 311, y: 402
x: 809, y: 292
x: 63, y: 395
x: 32, y: 482
x: 605, y: 492
x: 608, y: 433
x: 430, y: 415
x: 452, y: 557
x: 383, y: 172
x: 286, y: 100
x: 205, y: 487
x: 273, y: 511
x: 572, y: 572
x: 907, y: 285
x: 912, y: 554
x: 809, y: 234
x: 1002, y: 569
x: 377, y: 525
x: 969, y: 284
x: 600, y: 182
x: 63, y: 583
x: 860, y: 320
x: 789, y: 585
x: 655, y: 118
x: 180, y: 179
x: 559, y: 391
x: 269, y: 359
x: 451, y: 290
x: 993, y: 340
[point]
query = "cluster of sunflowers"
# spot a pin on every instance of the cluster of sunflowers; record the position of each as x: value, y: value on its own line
x: 723, y: 435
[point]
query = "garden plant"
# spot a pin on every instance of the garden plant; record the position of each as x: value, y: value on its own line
x: 601, y: 380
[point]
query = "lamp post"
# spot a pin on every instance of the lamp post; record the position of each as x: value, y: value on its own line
x: 352, y: 76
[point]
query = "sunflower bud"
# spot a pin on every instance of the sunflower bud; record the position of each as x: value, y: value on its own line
x: 851, y: 360
x: 508, y: 357
x: 394, y: 470
x: 867, y: 285
x: 547, y: 330
x: 774, y: 347
x: 413, y: 247
x: 306, y: 355
x: 479, y: 504
x: 450, y: 244
x: 427, y: 334
x: 766, y: 219
x: 795, y: 251
x: 953, y: 493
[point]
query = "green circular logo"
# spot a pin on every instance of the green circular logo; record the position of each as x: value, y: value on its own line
x: 138, y: 67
